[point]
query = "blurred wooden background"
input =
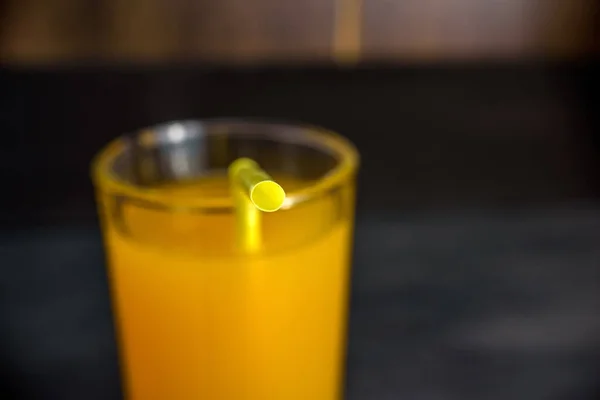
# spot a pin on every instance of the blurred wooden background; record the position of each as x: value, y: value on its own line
x: 293, y: 30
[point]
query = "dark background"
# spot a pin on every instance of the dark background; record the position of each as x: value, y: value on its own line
x: 477, y: 255
x: 430, y: 136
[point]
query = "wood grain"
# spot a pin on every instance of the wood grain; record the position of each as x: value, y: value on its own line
x: 467, y: 29
x: 232, y: 31
x: 226, y: 30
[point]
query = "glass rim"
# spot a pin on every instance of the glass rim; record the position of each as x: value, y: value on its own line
x: 322, y: 139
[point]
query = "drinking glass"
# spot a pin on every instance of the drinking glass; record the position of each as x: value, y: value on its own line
x: 198, y: 315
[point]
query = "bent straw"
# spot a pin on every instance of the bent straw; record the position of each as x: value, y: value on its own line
x: 253, y: 190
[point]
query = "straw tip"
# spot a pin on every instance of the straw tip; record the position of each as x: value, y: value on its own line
x: 267, y: 196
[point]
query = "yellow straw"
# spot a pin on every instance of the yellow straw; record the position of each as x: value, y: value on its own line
x: 253, y: 191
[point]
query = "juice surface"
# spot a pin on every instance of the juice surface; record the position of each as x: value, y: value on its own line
x: 198, y: 320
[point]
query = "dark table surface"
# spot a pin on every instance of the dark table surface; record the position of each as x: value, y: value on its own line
x: 488, y: 305
x: 476, y: 266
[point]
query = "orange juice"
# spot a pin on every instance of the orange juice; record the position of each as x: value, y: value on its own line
x: 198, y: 319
